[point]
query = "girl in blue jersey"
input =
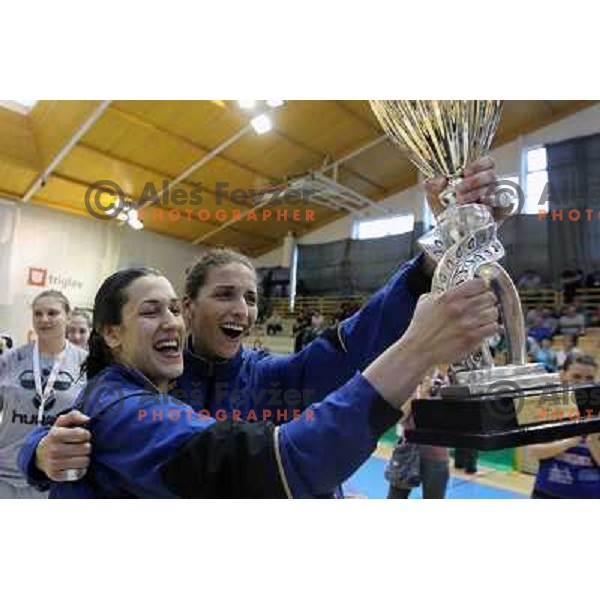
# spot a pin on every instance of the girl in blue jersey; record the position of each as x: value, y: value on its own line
x: 147, y: 443
x: 570, y: 468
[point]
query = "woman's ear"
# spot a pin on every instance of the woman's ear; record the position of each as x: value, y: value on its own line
x: 188, y: 311
x: 112, y: 335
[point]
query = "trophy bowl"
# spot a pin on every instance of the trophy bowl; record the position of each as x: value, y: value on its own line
x: 486, y: 406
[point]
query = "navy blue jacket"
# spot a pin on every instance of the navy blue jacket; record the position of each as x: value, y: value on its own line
x: 151, y: 445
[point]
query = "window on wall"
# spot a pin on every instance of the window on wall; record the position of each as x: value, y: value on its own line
x: 366, y: 229
x: 536, y: 180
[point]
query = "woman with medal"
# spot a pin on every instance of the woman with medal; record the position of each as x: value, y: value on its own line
x: 38, y: 381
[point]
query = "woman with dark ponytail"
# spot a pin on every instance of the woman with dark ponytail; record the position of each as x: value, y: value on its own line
x: 149, y: 444
x: 98, y: 355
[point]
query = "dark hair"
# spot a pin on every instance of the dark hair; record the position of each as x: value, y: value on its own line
x: 197, y: 274
x: 580, y: 359
x: 108, y: 309
x: 57, y: 296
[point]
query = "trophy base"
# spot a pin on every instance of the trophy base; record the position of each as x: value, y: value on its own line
x: 505, y: 414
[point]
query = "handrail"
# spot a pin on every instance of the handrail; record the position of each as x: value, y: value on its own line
x: 329, y: 305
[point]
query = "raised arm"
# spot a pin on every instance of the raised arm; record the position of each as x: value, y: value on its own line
x: 334, y: 356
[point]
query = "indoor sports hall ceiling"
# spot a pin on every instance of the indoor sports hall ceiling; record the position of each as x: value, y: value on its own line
x: 50, y: 156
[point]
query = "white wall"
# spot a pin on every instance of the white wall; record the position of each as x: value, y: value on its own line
x: 170, y: 256
x: 76, y: 255
x: 507, y: 159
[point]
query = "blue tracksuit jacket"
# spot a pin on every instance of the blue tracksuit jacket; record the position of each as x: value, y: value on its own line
x: 150, y: 445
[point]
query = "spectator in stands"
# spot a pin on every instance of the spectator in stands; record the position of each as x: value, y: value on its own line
x: 594, y: 317
x: 538, y: 331
x: 580, y: 309
x: 549, y: 321
x: 267, y: 284
x: 568, y: 351
x: 317, y: 320
x: 346, y: 310
x: 570, y: 468
x: 263, y: 309
x: 529, y: 280
x: 301, y: 325
x: 593, y: 279
x: 340, y: 313
x: 317, y: 327
x: 572, y: 323
x: 571, y: 281
x: 545, y: 355
x: 497, y: 344
x: 532, y: 316
x: 274, y: 324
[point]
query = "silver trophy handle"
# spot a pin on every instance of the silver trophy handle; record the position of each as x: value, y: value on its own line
x: 511, y: 311
x: 466, y: 245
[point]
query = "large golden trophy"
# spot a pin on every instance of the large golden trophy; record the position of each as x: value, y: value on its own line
x: 486, y: 406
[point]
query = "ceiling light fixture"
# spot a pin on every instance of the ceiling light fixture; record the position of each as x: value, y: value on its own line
x: 135, y: 224
x: 261, y: 124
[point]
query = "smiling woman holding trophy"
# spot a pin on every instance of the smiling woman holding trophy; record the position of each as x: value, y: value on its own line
x: 486, y: 406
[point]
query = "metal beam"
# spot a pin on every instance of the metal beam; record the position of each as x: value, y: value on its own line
x: 205, y: 159
x: 295, y: 142
x: 186, y: 140
x: 142, y: 167
x: 87, y: 125
x: 350, y: 192
x: 355, y: 153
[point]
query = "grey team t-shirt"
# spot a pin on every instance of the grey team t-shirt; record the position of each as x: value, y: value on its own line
x: 19, y: 401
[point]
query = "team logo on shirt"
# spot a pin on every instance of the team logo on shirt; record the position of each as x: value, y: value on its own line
x: 63, y: 382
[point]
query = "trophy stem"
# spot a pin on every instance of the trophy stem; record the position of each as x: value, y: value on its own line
x: 448, y: 196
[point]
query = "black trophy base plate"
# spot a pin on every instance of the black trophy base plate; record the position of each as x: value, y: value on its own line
x: 505, y: 420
